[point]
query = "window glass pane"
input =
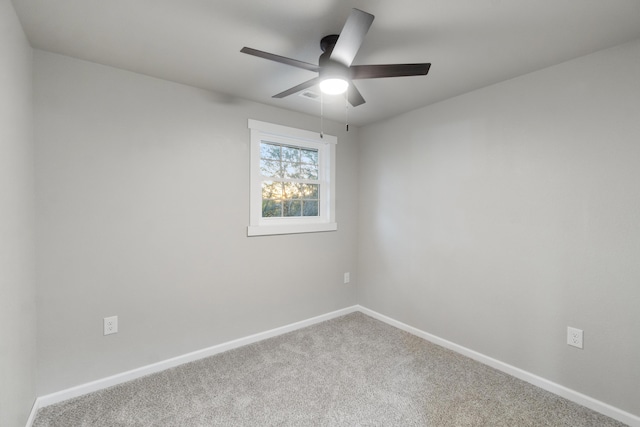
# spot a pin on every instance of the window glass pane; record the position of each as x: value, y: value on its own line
x: 309, y: 172
x: 310, y: 208
x: 270, y: 168
x: 269, y: 151
x: 309, y: 156
x: 309, y: 191
x: 271, y: 208
x: 271, y: 190
x: 291, y: 170
x: 292, y: 190
x: 292, y: 208
x: 290, y: 154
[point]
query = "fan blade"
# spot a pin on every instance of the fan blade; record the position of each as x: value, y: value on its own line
x: 351, y: 37
x: 298, y: 88
x: 281, y: 59
x: 388, y: 70
x: 355, y: 98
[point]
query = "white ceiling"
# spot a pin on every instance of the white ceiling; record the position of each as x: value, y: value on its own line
x: 470, y: 43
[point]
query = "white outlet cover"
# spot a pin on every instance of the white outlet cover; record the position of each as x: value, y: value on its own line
x: 110, y: 325
x: 575, y: 337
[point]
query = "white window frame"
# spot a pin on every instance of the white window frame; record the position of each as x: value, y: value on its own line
x: 326, y: 146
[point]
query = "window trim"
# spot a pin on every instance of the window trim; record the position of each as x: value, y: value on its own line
x: 326, y: 146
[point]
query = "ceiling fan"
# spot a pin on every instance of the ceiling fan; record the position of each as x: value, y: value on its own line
x: 334, y: 68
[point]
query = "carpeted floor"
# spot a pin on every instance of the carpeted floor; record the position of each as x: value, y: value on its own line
x: 349, y: 371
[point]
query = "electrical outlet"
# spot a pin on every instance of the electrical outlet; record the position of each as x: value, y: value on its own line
x: 574, y: 337
x: 111, y: 325
x: 347, y: 277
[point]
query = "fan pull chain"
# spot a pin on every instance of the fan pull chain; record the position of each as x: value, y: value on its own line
x: 321, y: 115
x: 346, y: 109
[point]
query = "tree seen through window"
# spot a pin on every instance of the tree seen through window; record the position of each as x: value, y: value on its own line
x: 290, y: 186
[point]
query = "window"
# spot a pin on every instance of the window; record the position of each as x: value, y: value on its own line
x: 292, y: 180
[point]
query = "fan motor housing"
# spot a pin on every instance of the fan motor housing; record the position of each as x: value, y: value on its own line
x: 328, y: 42
x: 333, y: 69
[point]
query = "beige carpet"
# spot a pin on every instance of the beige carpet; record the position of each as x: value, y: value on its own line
x: 350, y: 371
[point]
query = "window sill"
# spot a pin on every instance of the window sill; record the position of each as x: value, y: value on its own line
x: 268, y: 230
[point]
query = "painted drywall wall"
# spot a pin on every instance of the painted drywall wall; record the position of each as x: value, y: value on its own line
x: 142, y: 193
x: 498, y: 218
x: 17, y: 255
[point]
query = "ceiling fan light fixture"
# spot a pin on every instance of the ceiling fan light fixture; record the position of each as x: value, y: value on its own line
x: 335, y: 69
x: 334, y: 85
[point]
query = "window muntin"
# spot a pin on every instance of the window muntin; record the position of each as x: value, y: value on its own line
x: 292, y: 180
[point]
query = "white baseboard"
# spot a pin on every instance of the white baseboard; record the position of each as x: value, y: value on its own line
x: 103, y: 383
x: 32, y: 414
x: 572, y: 395
x: 567, y: 393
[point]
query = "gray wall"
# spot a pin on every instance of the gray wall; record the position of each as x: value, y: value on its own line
x: 498, y: 218
x: 17, y: 283
x: 142, y: 192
